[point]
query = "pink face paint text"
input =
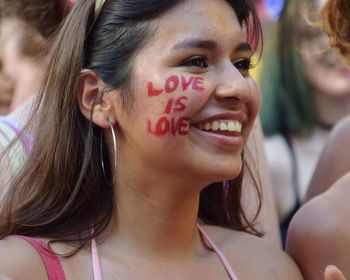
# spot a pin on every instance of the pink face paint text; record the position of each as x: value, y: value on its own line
x: 167, y: 125
x: 173, y: 82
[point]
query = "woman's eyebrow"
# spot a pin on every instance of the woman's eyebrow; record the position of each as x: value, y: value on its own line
x: 196, y: 44
x: 244, y: 46
x: 208, y: 44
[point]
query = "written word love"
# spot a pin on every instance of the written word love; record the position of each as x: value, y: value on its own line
x: 173, y: 125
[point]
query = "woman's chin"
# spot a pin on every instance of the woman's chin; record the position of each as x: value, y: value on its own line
x: 228, y: 174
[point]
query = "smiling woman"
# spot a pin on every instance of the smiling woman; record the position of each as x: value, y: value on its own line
x: 144, y: 116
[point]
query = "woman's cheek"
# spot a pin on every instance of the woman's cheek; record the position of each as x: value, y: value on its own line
x: 174, y: 98
x: 255, y: 101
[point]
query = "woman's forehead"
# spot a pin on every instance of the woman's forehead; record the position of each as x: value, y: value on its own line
x: 201, y: 10
x: 199, y: 18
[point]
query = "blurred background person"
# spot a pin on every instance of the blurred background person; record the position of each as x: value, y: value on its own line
x: 6, y: 88
x: 6, y: 92
x: 319, y: 233
x: 27, y: 31
x: 305, y: 91
x: 44, y: 16
x: 25, y: 35
x: 23, y: 58
x: 335, y: 159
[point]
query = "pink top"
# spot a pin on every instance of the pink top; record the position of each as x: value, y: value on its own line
x: 52, y: 263
x: 55, y: 271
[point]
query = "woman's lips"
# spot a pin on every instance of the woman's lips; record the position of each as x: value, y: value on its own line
x: 225, y: 133
x: 224, y: 128
x: 227, y: 138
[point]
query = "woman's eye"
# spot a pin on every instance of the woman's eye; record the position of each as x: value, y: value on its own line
x: 198, y: 61
x: 243, y: 65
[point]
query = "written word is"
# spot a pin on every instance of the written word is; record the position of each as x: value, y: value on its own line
x: 174, y: 82
x: 175, y: 105
x: 169, y: 126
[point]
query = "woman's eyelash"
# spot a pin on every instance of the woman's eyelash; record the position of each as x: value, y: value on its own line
x: 243, y: 64
x: 197, y: 61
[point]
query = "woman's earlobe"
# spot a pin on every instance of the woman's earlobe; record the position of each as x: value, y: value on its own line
x: 92, y: 103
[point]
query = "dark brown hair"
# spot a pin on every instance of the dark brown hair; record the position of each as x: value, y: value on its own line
x: 335, y: 15
x: 61, y: 192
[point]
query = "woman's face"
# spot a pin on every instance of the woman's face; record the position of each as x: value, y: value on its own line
x: 195, y: 102
x: 324, y: 70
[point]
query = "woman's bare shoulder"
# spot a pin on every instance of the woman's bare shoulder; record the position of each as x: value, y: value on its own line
x: 337, y: 142
x: 252, y: 257
x: 329, y: 209
x: 334, y: 161
x: 19, y: 260
x: 319, y: 231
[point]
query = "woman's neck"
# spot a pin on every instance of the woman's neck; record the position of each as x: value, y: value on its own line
x: 156, y: 219
x: 330, y: 109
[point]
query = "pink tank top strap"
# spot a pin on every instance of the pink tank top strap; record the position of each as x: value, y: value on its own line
x: 221, y: 256
x: 96, y: 262
x: 51, y: 261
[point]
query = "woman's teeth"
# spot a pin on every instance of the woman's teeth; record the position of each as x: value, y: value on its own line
x: 222, y: 125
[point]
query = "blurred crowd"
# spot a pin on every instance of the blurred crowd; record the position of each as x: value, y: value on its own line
x: 305, y: 91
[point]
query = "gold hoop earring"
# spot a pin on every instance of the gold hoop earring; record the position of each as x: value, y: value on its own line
x: 115, y: 154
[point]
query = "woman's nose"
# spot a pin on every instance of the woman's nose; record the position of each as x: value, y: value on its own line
x: 232, y: 85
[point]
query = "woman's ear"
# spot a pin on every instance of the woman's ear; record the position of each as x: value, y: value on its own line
x: 94, y: 105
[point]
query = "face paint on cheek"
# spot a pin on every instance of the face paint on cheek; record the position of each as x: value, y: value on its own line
x: 172, y: 83
x: 167, y: 125
x: 198, y: 84
x: 185, y: 83
x: 179, y: 105
x: 152, y: 91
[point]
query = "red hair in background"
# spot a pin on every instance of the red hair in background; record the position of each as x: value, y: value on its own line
x: 335, y: 16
